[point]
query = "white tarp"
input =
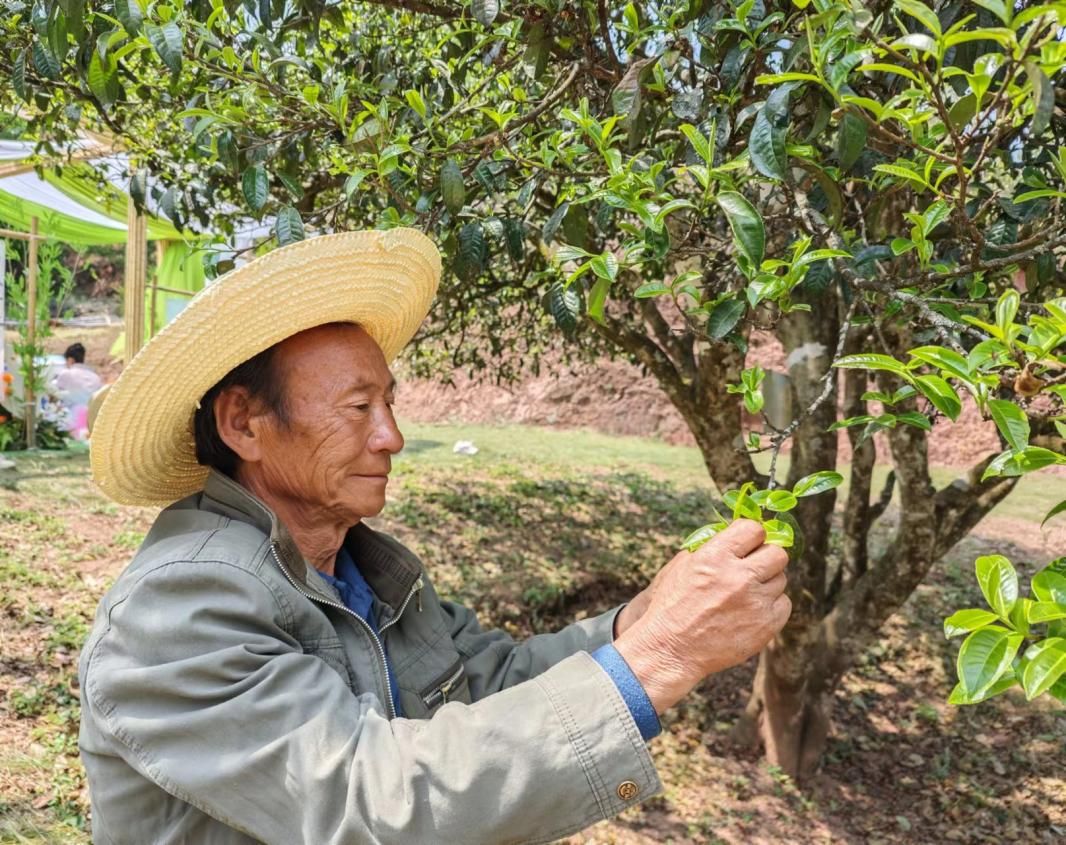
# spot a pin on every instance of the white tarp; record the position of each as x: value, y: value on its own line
x: 18, y: 150
x: 30, y: 187
x: 15, y: 150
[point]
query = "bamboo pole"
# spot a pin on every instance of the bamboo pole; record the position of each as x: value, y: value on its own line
x: 178, y: 291
x: 31, y: 338
x: 136, y: 274
x: 160, y: 253
x: 12, y: 234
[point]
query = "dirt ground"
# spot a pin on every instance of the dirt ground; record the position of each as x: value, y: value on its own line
x: 902, y: 766
x: 613, y: 397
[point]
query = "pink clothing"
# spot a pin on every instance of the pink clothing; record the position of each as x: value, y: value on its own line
x: 77, y: 379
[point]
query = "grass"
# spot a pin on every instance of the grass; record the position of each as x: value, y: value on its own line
x: 538, y: 527
x: 682, y: 466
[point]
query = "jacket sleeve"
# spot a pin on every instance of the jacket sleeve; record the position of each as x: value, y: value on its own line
x: 228, y: 714
x: 495, y: 661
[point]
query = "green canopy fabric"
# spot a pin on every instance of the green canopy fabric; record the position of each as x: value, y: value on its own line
x: 84, y: 206
x: 78, y: 183
x: 17, y: 212
x: 182, y: 268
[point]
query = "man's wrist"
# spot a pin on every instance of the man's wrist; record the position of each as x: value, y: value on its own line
x: 661, y: 677
x: 630, y: 613
x: 639, y: 705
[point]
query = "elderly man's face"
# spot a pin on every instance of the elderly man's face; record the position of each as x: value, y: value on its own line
x: 337, y: 450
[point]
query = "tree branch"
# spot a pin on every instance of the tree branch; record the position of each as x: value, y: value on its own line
x: 605, y: 34
x: 827, y: 389
x: 667, y: 339
x: 549, y: 100
x: 965, y: 502
x: 446, y: 12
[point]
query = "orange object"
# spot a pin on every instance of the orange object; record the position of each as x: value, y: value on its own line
x: 8, y: 378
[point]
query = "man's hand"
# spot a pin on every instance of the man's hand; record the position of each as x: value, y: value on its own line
x: 635, y: 609
x: 706, y: 611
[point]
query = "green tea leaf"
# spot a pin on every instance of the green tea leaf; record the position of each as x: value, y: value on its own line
x: 650, y: 289
x: 947, y: 360
x: 985, y: 655
x: 997, y: 7
x: 700, y: 144
x: 780, y: 501
x: 1055, y: 511
x: 701, y: 535
x: 1045, y: 663
x: 851, y: 140
x: 724, y: 317
x: 766, y: 145
x: 1045, y: 611
x: 598, y: 298
x: 130, y: 15
x: 1043, y: 98
x: 999, y: 583
x: 916, y: 419
x: 817, y: 482
x: 941, y: 394
x: 1006, y: 310
x: 168, y: 43
x: 1049, y: 585
x: 964, y: 621
x: 452, y: 189
x: 415, y: 101
x: 289, y: 226
x: 922, y: 13
x: 1005, y: 681
x: 1011, y: 422
x: 779, y: 533
x: 749, y: 232
x: 565, y: 306
x: 255, y: 184
x: 874, y: 361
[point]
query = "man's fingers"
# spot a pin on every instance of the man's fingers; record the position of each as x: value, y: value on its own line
x: 780, y: 610
x: 767, y: 562
x: 741, y: 538
x: 776, y: 585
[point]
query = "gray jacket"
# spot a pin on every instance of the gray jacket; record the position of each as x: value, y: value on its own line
x: 228, y: 696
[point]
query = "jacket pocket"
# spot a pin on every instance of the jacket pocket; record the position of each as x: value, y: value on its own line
x: 330, y: 651
x: 443, y: 689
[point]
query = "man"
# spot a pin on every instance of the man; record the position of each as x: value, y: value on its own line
x: 271, y: 669
x: 75, y: 385
x: 77, y: 377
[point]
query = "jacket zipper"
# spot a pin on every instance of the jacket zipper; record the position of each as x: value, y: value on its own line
x: 445, y: 688
x: 416, y: 588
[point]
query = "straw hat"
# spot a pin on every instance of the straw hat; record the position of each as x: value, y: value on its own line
x: 142, y: 450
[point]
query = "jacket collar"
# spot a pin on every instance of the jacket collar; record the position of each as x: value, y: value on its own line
x: 389, y: 568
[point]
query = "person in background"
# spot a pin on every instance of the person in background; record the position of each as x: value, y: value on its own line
x: 75, y: 385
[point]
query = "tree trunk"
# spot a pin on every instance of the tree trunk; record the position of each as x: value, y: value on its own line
x: 838, y: 609
x: 788, y: 711
x: 788, y: 708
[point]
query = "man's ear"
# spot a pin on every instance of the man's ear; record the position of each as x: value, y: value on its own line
x: 240, y: 421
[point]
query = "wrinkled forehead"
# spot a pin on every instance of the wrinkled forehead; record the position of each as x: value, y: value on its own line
x: 333, y: 357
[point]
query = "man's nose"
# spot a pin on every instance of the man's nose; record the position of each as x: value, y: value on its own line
x: 387, y: 436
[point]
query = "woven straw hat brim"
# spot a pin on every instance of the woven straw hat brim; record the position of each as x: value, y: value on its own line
x: 142, y: 450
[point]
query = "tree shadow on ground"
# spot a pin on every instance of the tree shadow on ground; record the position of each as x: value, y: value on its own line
x: 533, y: 551
x: 530, y: 552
